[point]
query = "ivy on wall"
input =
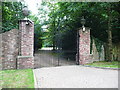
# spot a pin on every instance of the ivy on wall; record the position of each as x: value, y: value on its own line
x: 98, y: 45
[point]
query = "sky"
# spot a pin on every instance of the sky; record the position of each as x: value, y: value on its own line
x: 32, y: 5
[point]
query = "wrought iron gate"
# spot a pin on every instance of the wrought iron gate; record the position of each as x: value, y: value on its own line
x: 57, y: 57
x: 50, y: 58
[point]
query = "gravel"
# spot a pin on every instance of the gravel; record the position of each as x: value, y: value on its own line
x: 75, y: 76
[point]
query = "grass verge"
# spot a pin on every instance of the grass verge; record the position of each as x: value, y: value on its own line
x: 17, y: 78
x: 113, y: 64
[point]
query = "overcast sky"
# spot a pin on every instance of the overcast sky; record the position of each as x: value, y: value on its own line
x: 32, y: 5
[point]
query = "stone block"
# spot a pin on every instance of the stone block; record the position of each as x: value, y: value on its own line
x: 25, y: 62
x: 9, y: 49
x: 86, y: 58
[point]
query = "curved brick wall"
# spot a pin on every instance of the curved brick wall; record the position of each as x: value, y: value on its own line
x: 9, y: 49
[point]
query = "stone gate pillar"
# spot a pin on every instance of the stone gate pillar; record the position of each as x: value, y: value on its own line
x: 26, y: 40
x: 84, y: 46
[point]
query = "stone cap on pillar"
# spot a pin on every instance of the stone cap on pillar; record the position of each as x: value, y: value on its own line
x: 85, y: 28
x: 29, y: 21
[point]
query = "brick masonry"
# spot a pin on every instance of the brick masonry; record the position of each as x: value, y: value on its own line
x: 17, y: 47
x: 26, y: 39
x: 25, y: 62
x: 9, y: 49
x: 84, y: 46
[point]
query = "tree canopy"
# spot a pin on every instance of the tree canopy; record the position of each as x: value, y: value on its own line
x: 11, y: 13
x: 64, y: 19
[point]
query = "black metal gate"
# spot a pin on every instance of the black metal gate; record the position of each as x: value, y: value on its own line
x: 60, y: 56
x: 50, y: 58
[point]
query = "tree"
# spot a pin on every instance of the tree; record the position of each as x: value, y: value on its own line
x: 37, y: 32
x: 64, y: 18
x: 11, y: 13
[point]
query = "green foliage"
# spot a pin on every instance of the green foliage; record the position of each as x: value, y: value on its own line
x: 37, y: 32
x: 64, y: 19
x: 98, y: 44
x: 37, y: 37
x: 11, y: 13
x: 68, y: 14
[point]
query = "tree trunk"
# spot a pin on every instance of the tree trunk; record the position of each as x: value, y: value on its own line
x: 54, y: 33
x: 109, y: 34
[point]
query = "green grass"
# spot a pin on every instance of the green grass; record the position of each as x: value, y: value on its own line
x: 113, y: 64
x: 17, y: 78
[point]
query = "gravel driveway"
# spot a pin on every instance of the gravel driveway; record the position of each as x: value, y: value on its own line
x: 75, y: 76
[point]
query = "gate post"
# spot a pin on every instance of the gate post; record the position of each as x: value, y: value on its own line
x: 26, y: 40
x: 84, y: 45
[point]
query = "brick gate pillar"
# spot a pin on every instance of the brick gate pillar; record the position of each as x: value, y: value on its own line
x: 84, y: 46
x: 26, y: 40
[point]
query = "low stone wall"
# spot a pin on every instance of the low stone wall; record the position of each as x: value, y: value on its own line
x: 9, y: 49
x: 0, y: 51
x: 103, y: 53
x: 116, y: 52
x: 96, y: 55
